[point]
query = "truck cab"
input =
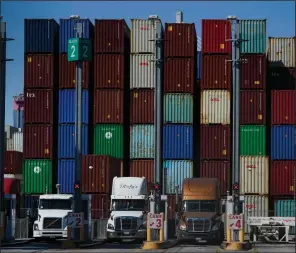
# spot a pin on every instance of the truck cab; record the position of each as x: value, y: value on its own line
x: 199, y: 211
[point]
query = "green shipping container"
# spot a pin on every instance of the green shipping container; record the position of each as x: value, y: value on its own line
x: 285, y: 208
x: 255, y: 32
x: 108, y: 140
x: 252, y: 140
x: 37, y: 176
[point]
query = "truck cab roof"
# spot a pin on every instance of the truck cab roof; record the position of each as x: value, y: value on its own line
x: 129, y: 187
x: 56, y: 196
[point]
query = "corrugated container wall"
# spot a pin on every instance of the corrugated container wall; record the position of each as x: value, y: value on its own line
x: 142, y: 168
x: 253, y: 107
x: 280, y: 78
x: 283, y: 142
x: 66, y: 176
x: 9, y: 131
x: 18, y: 141
x: 108, y: 106
x: 217, y: 169
x: 142, y: 141
x: 13, y: 162
x: 143, y: 35
x: 252, y: 140
x: 215, y: 142
x: 283, y: 107
x: 254, y: 171
x: 180, y: 40
x: 175, y: 172
x: 179, y: 75
x: 178, y: 108
x: 31, y: 202
x: 142, y: 107
x: 41, y: 36
x: 9, y: 144
x: 254, y: 32
x: 281, y: 52
x: 68, y: 31
x: 282, y: 178
x: 18, y: 118
x: 199, y: 65
x: 216, y: 72
x: 215, y: 107
x: 111, y: 36
x: 178, y: 142
x: 100, y: 206
x: 215, y: 33
x: 253, y: 71
x: 142, y: 71
x: 284, y: 207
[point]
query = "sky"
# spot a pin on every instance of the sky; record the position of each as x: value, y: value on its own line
x: 279, y: 15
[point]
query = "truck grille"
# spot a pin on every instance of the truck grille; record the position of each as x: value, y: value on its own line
x: 52, y: 223
x: 198, y: 225
x: 123, y: 223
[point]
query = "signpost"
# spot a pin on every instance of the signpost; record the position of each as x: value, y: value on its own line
x: 235, y: 221
x: 79, y: 50
x: 155, y: 221
x: 74, y: 220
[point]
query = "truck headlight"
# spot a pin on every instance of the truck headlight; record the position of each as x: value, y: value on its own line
x: 144, y: 225
x: 110, y: 226
x: 35, y: 227
x: 182, y: 226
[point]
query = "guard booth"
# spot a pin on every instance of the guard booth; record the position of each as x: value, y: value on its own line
x: 86, y: 209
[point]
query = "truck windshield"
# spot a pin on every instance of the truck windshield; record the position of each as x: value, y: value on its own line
x: 128, y: 205
x: 63, y: 204
x: 199, y: 206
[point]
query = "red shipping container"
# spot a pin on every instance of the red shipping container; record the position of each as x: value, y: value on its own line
x: 215, y: 142
x: 12, y: 186
x: 171, y: 206
x: 109, y: 71
x: 253, y: 72
x: 179, y: 75
x: 217, y: 169
x: 98, y: 172
x: 215, y: 33
x: 253, y: 107
x: 283, y: 107
x: 39, y: 106
x: 281, y: 78
x: 13, y: 162
x: 41, y: 71
x: 282, y: 178
x: 67, y: 73
x: 108, y: 106
x: 216, y: 72
x: 111, y: 36
x: 38, y: 141
x: 142, y: 168
x: 180, y: 40
x: 100, y: 206
x: 142, y: 107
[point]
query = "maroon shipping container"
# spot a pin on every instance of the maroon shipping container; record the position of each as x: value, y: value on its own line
x: 179, y: 75
x: 142, y: 168
x: 253, y: 72
x: 98, y: 172
x: 283, y: 107
x: 142, y: 107
x: 108, y: 106
x: 215, y: 33
x: 282, y: 178
x: 109, y: 71
x: 215, y: 142
x: 171, y: 206
x: 180, y: 40
x: 100, y: 206
x: 111, y: 36
x: 217, y: 169
x: 281, y: 78
x: 13, y: 162
x: 40, y: 71
x: 253, y: 107
x: 216, y: 72
x: 67, y: 73
x: 39, y: 106
x: 38, y: 141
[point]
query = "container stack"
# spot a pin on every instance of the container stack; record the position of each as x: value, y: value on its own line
x: 40, y: 115
x: 67, y: 103
x: 215, y: 102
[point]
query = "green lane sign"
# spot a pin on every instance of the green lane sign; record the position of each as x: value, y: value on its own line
x: 79, y: 49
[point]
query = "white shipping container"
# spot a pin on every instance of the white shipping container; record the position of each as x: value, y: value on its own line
x: 18, y: 141
x: 215, y: 107
x: 10, y: 130
x: 9, y: 144
x: 254, y: 175
x: 142, y: 71
x: 281, y: 52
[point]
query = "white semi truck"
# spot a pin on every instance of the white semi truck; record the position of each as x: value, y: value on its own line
x: 128, y: 209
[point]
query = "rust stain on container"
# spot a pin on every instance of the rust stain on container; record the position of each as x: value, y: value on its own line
x: 253, y: 108
x: 13, y: 162
x: 100, y: 206
x: 142, y: 168
x: 142, y: 107
x: 108, y: 106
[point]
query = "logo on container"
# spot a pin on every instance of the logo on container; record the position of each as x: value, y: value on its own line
x: 251, y: 206
x: 215, y: 100
x: 30, y: 95
x: 144, y: 28
x: 144, y: 63
x: 250, y: 166
x: 37, y: 169
x: 108, y: 135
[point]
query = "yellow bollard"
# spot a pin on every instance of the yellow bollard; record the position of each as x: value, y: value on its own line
x: 161, y: 232
x: 148, y: 230
x: 242, y: 232
x: 82, y: 227
x: 228, y: 231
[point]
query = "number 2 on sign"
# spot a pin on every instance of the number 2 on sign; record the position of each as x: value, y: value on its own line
x: 78, y: 221
x: 158, y: 223
x: 73, y: 51
x: 85, y: 49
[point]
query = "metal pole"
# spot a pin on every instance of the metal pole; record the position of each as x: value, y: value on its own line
x: 295, y: 136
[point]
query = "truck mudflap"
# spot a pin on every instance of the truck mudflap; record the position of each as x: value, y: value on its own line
x: 125, y: 235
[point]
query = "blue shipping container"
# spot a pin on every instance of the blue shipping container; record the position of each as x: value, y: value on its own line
x: 66, y: 140
x: 178, y: 142
x: 66, y: 175
x: 285, y: 208
x: 68, y: 31
x: 67, y: 105
x: 41, y: 36
x: 198, y: 73
x: 18, y: 118
x: 175, y: 172
x: 283, y: 142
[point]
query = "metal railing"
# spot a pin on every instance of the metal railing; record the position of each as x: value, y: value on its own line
x: 21, y: 228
